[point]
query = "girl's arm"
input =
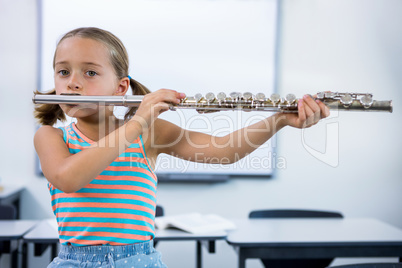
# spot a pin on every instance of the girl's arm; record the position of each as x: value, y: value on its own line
x: 204, y: 148
x: 70, y: 172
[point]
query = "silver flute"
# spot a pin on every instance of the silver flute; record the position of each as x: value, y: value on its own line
x: 233, y: 101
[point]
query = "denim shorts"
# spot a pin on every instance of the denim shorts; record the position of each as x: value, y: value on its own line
x: 134, y: 255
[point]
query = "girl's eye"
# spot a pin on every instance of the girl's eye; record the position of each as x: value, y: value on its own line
x: 91, y: 73
x: 63, y: 72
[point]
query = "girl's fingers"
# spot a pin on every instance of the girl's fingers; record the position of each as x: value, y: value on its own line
x: 324, y: 109
x: 311, y: 103
x: 162, y: 107
x: 169, y: 96
x: 162, y: 99
x: 301, y: 111
x: 308, y: 110
x: 315, y: 108
x: 310, y: 116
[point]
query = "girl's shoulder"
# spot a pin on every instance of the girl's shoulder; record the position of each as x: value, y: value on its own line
x: 47, y: 131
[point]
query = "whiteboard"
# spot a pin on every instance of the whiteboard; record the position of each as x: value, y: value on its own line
x: 192, y: 46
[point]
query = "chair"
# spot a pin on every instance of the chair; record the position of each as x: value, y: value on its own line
x: 369, y: 265
x: 159, y: 211
x: 7, y: 212
x: 295, y: 213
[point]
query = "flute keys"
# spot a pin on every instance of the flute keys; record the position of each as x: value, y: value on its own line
x: 198, y: 97
x: 320, y: 95
x: 330, y: 95
x: 189, y: 99
x: 290, y: 98
x: 366, y: 100
x: 347, y: 100
x: 260, y: 96
x: 275, y: 98
x: 235, y: 95
x: 248, y: 95
x: 210, y: 96
x: 221, y: 96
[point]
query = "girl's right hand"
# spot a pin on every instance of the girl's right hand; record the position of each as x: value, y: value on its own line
x: 155, y: 103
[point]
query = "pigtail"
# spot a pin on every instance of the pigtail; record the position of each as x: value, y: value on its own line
x: 48, y: 114
x: 137, y: 89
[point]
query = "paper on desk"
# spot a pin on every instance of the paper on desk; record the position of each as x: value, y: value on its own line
x: 195, y: 223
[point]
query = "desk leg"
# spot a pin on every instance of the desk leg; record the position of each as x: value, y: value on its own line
x: 54, y: 252
x: 24, y: 255
x: 242, y: 261
x: 199, y: 254
x: 14, y: 256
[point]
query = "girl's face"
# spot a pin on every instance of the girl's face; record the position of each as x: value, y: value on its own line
x: 82, y: 66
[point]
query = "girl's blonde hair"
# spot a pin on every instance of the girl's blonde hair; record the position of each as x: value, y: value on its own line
x: 48, y: 114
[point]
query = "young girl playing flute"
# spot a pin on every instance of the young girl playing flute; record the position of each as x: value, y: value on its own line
x: 100, y: 169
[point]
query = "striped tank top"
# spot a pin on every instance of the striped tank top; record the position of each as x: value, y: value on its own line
x: 116, y: 208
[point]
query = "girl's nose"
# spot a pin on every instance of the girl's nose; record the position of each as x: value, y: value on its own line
x: 74, y: 83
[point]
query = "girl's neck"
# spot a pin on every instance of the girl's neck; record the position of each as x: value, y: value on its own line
x: 97, y: 129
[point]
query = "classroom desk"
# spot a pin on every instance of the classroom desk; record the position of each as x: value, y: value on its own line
x: 45, y: 235
x: 11, y: 231
x: 314, y: 238
x: 207, y: 239
x: 42, y: 236
x: 10, y: 195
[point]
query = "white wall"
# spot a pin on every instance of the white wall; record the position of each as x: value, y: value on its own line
x: 325, y: 45
x: 18, y: 74
x: 346, y: 46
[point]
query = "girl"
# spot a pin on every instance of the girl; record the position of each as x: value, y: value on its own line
x: 100, y: 169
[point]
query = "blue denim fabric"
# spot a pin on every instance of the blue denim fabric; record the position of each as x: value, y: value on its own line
x: 135, y: 255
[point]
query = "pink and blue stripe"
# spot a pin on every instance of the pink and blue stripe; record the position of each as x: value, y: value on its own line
x: 116, y: 208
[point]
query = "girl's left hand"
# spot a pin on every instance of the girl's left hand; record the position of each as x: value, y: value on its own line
x: 310, y: 111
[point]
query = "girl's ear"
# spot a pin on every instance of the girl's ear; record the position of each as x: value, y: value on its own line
x: 123, y: 86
